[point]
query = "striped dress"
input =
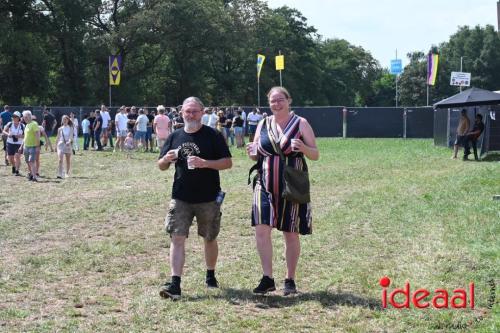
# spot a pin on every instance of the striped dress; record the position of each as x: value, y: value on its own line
x: 268, y: 205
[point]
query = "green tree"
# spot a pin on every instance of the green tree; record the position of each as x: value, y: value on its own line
x: 23, y: 59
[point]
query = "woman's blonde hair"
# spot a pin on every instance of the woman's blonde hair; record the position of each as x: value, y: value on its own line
x: 70, y: 123
x: 280, y: 90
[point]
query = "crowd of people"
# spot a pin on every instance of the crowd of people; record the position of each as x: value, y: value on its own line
x: 131, y: 130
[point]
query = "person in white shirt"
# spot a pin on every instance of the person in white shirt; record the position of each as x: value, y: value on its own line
x: 14, y: 131
x: 253, y: 120
x: 75, y: 132
x: 121, y: 121
x: 141, y: 126
x: 64, y: 143
x: 105, y: 127
x: 244, y: 117
x: 206, y: 116
x: 86, y: 132
x: 213, y: 119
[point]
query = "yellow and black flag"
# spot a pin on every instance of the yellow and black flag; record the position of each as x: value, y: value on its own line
x: 115, y: 65
x: 260, y: 63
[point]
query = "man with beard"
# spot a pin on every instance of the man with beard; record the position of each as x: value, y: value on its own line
x: 199, y: 152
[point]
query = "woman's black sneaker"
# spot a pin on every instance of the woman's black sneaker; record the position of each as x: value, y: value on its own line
x: 290, y: 287
x: 170, y: 290
x: 13, y: 170
x: 266, y: 285
x: 212, y: 282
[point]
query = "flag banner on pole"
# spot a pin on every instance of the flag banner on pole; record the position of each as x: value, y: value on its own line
x: 280, y: 62
x: 260, y: 62
x: 115, y: 65
x: 432, y: 66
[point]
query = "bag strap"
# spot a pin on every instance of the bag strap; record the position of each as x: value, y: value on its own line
x: 257, y: 166
x: 62, y: 134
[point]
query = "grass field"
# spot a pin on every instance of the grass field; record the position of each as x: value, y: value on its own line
x: 88, y: 254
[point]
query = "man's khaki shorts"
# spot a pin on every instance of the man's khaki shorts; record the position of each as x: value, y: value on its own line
x: 180, y: 217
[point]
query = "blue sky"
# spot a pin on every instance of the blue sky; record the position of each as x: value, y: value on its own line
x: 383, y: 26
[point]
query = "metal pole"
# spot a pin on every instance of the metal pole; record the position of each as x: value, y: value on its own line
x: 405, y: 116
x: 344, y: 123
x: 397, y: 81
x: 396, y: 90
x: 461, y: 59
x: 110, y: 95
x: 281, y: 81
x: 427, y: 95
x: 258, y: 92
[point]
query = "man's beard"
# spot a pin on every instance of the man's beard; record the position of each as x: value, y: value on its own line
x: 192, y: 125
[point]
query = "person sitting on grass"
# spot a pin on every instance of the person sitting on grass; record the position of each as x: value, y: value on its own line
x: 128, y: 144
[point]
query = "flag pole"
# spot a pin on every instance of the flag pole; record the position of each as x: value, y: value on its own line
x: 396, y: 81
x: 258, y: 91
x: 109, y: 78
x: 427, y: 94
x: 281, y: 81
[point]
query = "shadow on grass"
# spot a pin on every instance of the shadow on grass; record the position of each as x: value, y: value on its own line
x: 491, y: 158
x: 49, y: 180
x: 273, y: 300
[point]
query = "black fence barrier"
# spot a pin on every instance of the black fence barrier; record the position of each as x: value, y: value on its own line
x: 419, y: 122
x: 375, y: 123
x: 367, y: 122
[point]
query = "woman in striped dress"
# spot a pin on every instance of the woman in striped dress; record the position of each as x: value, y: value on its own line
x: 269, y: 209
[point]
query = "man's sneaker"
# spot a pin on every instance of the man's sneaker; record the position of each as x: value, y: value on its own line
x: 29, y: 176
x: 290, y: 287
x: 266, y: 285
x: 170, y: 290
x: 212, y: 282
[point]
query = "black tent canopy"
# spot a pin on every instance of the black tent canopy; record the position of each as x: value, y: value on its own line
x: 469, y: 97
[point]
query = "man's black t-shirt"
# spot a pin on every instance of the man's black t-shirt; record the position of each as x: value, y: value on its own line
x: 98, y: 122
x: 179, y: 122
x: 151, y: 118
x: 132, y: 117
x: 196, y: 185
x: 92, y: 121
x: 238, y: 121
x: 478, y: 127
x: 49, y: 122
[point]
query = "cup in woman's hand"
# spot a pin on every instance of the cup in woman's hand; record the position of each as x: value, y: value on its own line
x: 252, y: 148
x: 295, y: 144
